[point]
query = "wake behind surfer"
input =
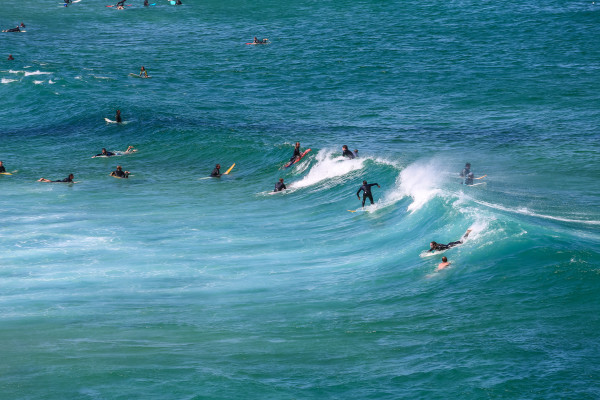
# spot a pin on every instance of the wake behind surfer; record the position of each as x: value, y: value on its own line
x: 279, y: 186
x: 216, y: 172
x: 347, y: 153
x: 434, y: 246
x: 68, y: 179
x: 366, y: 188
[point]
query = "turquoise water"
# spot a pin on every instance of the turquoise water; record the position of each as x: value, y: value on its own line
x: 169, y: 286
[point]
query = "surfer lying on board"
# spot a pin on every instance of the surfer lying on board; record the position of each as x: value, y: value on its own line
x: 119, y: 173
x: 366, y: 188
x: 17, y: 29
x: 279, y: 186
x: 68, y: 179
x: 347, y: 153
x: 434, y: 246
x: 104, y: 153
x: 259, y: 41
x: 216, y: 172
x: 443, y: 264
x: 2, y: 169
x: 143, y: 72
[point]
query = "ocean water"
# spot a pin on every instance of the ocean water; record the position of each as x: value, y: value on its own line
x: 170, y: 286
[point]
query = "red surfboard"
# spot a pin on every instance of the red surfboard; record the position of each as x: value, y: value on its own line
x: 297, y: 159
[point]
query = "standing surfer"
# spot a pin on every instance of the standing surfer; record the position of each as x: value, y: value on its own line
x: 143, y: 72
x: 467, y: 174
x: 366, y: 188
x: 118, y: 117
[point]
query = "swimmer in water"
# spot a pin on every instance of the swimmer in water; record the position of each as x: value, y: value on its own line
x: 104, y: 154
x: 434, y: 246
x: 347, y: 153
x: 10, y: 57
x: 119, y: 173
x: 366, y: 188
x: 279, y: 186
x: 143, y: 72
x: 216, y: 172
x: 68, y: 179
x: 443, y: 264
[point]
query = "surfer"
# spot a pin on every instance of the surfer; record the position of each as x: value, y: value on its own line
x: 279, y: 186
x: 216, y: 172
x: 104, y: 153
x: 10, y: 57
x: 259, y: 41
x: 2, y: 169
x: 68, y: 179
x: 366, y: 188
x: 356, y: 153
x: 443, y: 264
x: 347, y: 153
x: 17, y: 29
x: 118, y: 115
x: 145, y: 5
x: 467, y: 174
x: 67, y: 3
x: 177, y: 2
x: 143, y: 72
x: 434, y: 246
x: 297, y: 153
x: 119, y: 173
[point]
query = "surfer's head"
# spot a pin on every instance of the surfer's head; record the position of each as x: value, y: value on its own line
x: 280, y: 179
x: 71, y: 176
x: 218, y: 165
x: 432, y: 245
x: 344, y: 147
x: 103, y: 150
x: 468, y: 165
x: 444, y: 259
x: 364, y: 182
x: 119, y: 168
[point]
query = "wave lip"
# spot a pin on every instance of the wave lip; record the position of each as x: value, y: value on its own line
x: 328, y: 167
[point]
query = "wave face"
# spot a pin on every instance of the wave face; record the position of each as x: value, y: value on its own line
x: 173, y: 285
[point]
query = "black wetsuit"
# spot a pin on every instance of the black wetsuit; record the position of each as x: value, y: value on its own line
x: 296, y: 154
x: 121, y: 3
x: 178, y: 2
x: 17, y: 29
x: 2, y: 169
x: 120, y: 174
x: 118, y: 118
x: 215, y: 173
x: 279, y: 186
x: 349, y: 154
x: 108, y: 154
x: 367, y: 195
x: 67, y: 179
x: 145, y: 3
x: 440, y: 246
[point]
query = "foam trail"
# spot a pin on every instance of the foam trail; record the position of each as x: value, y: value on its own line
x: 525, y: 211
x: 38, y: 72
x: 5, y: 80
x: 328, y: 167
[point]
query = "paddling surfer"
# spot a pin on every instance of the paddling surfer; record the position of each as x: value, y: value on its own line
x: 279, y: 186
x: 434, y: 246
x: 68, y: 179
x: 366, y: 188
x: 105, y: 153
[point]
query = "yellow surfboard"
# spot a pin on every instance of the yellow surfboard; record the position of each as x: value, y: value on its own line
x: 5, y: 173
x: 229, y: 170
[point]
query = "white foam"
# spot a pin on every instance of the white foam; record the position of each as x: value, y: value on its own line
x: 5, y: 80
x: 38, y: 82
x: 525, y: 211
x: 51, y: 82
x: 38, y: 72
x: 328, y: 167
x: 12, y: 71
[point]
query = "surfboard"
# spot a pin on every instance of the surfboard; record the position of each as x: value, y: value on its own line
x: 478, y: 184
x: 5, y: 173
x: 16, y: 31
x: 289, y: 164
x: 119, y: 177
x: 229, y: 170
x: 357, y: 210
x: 265, y: 41
x: 481, y: 177
x: 110, y: 121
x: 139, y: 76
